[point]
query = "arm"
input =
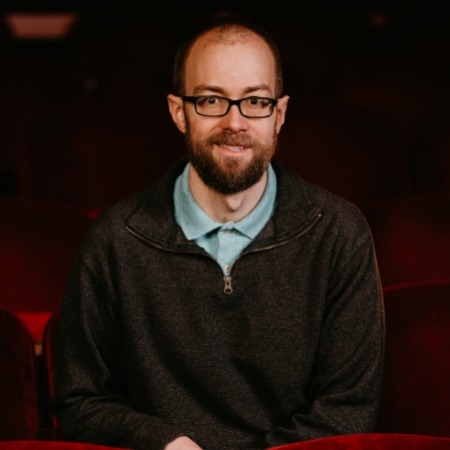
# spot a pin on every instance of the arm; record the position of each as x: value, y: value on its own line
x: 90, y: 401
x: 345, y: 383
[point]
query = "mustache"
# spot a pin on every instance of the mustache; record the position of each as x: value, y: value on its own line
x: 233, y: 140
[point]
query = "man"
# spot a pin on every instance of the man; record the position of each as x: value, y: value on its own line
x: 232, y: 305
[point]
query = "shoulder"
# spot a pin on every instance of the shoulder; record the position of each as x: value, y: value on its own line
x: 146, y: 209
x: 301, y: 198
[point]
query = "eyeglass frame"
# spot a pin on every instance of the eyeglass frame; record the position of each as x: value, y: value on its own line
x: 194, y: 100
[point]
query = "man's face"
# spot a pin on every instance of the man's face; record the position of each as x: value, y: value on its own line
x: 231, y: 153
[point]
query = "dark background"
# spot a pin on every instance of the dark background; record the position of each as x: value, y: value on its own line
x: 84, y: 119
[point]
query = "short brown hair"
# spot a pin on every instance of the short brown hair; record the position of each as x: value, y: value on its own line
x: 225, y: 25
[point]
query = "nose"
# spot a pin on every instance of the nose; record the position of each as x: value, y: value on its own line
x: 234, y: 120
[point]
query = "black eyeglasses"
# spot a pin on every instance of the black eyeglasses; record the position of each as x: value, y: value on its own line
x: 215, y: 106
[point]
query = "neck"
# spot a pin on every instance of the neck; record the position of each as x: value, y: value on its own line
x: 224, y: 208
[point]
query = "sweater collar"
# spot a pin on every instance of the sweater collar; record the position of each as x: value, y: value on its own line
x: 154, y: 218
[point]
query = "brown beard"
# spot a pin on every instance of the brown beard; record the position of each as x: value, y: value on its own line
x: 229, y: 177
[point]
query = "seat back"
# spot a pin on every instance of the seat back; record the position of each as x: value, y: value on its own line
x: 416, y: 387
x: 38, y: 243
x: 18, y: 387
x: 412, y: 237
x: 371, y: 441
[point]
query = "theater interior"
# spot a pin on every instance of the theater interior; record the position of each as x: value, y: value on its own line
x: 84, y: 123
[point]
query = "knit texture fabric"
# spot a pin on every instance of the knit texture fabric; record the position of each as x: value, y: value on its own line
x: 154, y: 343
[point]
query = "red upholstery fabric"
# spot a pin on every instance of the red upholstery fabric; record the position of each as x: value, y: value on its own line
x: 35, y: 321
x: 51, y: 445
x: 38, y: 242
x: 416, y: 388
x: 371, y: 442
x: 412, y: 237
x: 19, y: 417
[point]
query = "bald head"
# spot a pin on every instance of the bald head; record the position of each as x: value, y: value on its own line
x: 225, y: 31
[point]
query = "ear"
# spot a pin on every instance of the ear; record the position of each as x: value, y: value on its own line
x: 280, y: 111
x: 176, y: 110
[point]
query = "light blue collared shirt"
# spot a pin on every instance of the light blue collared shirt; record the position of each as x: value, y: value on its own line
x: 223, y: 241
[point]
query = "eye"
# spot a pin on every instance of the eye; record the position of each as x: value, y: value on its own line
x: 210, y: 100
x: 258, y: 102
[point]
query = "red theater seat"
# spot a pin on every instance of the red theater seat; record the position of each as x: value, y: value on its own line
x: 412, y: 237
x: 416, y: 387
x: 19, y: 416
x: 371, y: 441
x: 38, y: 242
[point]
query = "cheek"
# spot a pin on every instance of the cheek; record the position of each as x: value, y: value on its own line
x: 267, y: 133
x: 198, y: 130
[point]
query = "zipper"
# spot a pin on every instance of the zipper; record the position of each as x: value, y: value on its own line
x: 227, y: 279
x: 228, y: 287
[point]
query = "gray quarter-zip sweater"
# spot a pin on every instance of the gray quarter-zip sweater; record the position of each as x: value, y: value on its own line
x: 154, y: 342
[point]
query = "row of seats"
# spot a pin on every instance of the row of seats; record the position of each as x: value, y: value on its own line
x: 39, y: 240
x: 369, y: 441
x: 415, y: 396
x: 92, y: 153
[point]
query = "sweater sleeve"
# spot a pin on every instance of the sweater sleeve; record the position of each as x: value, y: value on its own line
x: 90, y: 395
x: 344, y: 390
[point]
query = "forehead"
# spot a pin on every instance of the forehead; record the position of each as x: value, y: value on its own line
x: 230, y: 60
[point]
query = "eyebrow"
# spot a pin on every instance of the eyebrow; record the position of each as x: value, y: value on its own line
x: 201, y: 88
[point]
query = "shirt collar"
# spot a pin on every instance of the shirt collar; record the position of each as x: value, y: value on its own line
x: 196, y: 223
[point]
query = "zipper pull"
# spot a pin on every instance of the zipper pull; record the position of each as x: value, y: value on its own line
x: 228, y: 288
